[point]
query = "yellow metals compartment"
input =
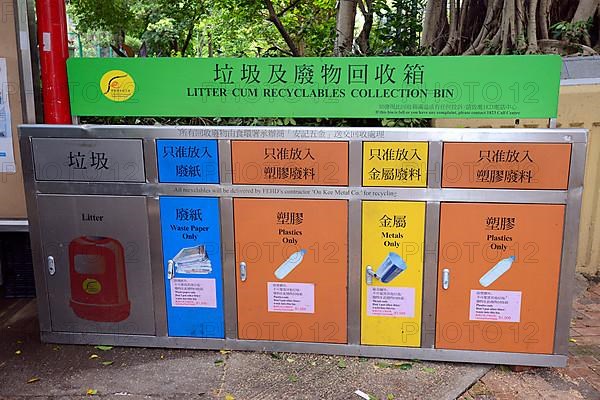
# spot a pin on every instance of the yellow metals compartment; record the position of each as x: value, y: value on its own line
x: 391, y: 311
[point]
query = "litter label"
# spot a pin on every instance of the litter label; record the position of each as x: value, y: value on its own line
x: 291, y: 297
x: 193, y: 292
x: 390, y: 301
x: 495, y: 305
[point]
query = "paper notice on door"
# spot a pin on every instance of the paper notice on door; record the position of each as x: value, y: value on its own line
x: 390, y: 301
x: 291, y: 297
x: 193, y: 292
x: 7, y: 157
x: 495, y: 305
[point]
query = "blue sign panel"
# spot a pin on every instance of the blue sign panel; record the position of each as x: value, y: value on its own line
x: 187, y: 161
x: 191, y: 239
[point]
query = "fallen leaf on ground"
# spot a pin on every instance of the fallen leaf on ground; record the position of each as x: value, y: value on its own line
x: 34, y: 379
x: 429, y: 370
x: 390, y: 397
x: 104, y: 348
x: 107, y: 362
x: 276, y: 356
x: 290, y: 360
x: 572, y: 340
x: 224, y: 351
x: 91, y: 392
x: 293, y: 378
x: 342, y: 363
x: 18, y: 352
x: 219, y: 362
x: 403, y: 366
x: 382, y: 364
x: 93, y: 356
x: 229, y: 397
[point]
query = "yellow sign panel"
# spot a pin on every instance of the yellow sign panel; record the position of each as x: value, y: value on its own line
x: 395, y: 164
x: 393, y: 234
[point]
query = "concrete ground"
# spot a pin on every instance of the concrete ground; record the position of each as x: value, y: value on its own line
x: 33, y: 370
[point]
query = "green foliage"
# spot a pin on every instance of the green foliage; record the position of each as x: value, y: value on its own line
x: 574, y: 32
x: 397, y: 27
x: 242, y: 28
x: 163, y: 25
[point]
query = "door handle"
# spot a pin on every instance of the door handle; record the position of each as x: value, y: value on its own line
x: 51, y: 265
x: 446, y: 278
x: 170, y: 269
x: 369, y: 274
x: 243, y: 272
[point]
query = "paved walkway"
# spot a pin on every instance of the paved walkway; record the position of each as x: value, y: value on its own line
x: 31, y: 370
x: 579, y: 380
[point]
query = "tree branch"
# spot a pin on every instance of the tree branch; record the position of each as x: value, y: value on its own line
x: 288, y: 8
x: 284, y: 33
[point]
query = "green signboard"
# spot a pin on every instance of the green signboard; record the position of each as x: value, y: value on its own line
x: 365, y: 87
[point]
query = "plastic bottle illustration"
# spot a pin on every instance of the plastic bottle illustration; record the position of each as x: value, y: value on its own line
x: 497, y: 271
x: 288, y: 265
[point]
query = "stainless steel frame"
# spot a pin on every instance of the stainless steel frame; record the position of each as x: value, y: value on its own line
x: 433, y: 194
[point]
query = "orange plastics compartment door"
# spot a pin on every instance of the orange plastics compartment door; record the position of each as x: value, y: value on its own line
x: 292, y: 265
x: 498, y: 276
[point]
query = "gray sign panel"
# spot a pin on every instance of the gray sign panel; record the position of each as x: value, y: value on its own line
x: 97, y: 270
x: 89, y: 160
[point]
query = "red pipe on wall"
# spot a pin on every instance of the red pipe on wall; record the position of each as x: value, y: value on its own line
x: 54, y: 51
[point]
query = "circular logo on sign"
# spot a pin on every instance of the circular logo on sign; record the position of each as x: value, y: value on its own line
x: 91, y: 286
x: 117, y: 85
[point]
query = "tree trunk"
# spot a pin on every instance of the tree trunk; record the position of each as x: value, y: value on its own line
x: 346, y: 14
x: 435, y: 24
x: 532, y: 46
x: 585, y: 10
x: 543, y: 18
x: 362, y: 40
x: 451, y: 44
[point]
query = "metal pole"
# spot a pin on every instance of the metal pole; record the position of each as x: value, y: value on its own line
x: 54, y: 51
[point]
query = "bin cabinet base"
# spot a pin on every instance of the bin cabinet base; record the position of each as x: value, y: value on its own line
x: 406, y: 353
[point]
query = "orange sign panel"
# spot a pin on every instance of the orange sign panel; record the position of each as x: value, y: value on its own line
x: 498, y: 276
x: 506, y: 165
x: 290, y: 163
x: 292, y: 258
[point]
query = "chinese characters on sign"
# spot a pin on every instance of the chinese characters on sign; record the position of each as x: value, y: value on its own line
x: 290, y: 163
x: 506, y: 165
x: 291, y: 297
x: 495, y: 305
x: 395, y: 164
x: 93, y: 160
x: 517, y: 174
x: 187, y: 161
x: 308, y: 74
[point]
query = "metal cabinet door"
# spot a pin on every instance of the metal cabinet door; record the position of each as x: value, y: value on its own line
x: 393, y: 234
x: 98, y: 268
x: 498, y: 276
x: 292, y: 262
x: 191, y: 238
